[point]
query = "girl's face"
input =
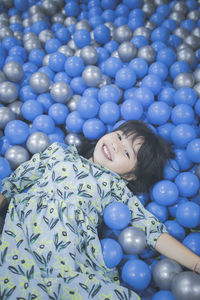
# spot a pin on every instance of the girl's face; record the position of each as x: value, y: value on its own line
x: 118, y: 153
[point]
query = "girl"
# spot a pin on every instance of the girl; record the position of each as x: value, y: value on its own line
x: 49, y: 246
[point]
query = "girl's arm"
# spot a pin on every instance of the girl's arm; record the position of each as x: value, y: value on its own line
x: 173, y: 249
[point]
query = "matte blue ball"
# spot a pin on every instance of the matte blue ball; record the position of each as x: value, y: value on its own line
x: 136, y: 273
x: 144, y: 95
x: 74, y: 122
x: 102, y: 34
x: 21, y: 5
x: 57, y: 61
x: 95, y: 20
x: 139, y: 41
x: 158, y: 45
x: 56, y: 26
x: 182, y: 113
x: 165, y: 131
x: 93, y: 129
x: 188, y: 214
x: 39, y: 26
x: 129, y: 93
x: 170, y: 24
x: 182, y: 159
x: 46, y: 100
x: 192, y: 241
x: 9, y: 42
x: 188, y: 24
x: 109, y: 4
x: 167, y: 95
x: 153, y: 82
x: 131, y: 109
x: 91, y: 92
x: 72, y: 9
x: 179, y: 67
x: 52, y: 45
x: 112, y: 252
x: 121, y: 10
x: 140, y: 66
x: 19, y: 51
x: 46, y: 70
x: 187, y: 183
x: 112, y: 66
x: 119, y: 21
x: 117, y: 215
x: 125, y: 78
x: 103, y: 54
x: 5, y: 168
x: 62, y: 76
x: 54, y: 137
x: 78, y: 85
x: 158, y: 113
x: 29, y: 67
x: 44, y: 123
x: 31, y: 109
x: 108, y: 15
x: 197, y: 107
x: 193, y: 150
x: 165, y: 192
x: 159, y: 69
x: 157, y: 18
x: 171, y: 169
x: 175, y: 229
x: 185, y: 95
x: 26, y: 93
x: 109, y: 93
x: 182, y: 134
x: 4, y: 144
x: 172, y: 209
x: 82, y: 38
x: 58, y: 112
x: 160, y: 34
x: 109, y: 112
x: 63, y: 35
x: 133, y: 3
x: 167, y: 56
x: 111, y: 46
x: 16, y: 132
x: 88, y: 107
x: 74, y: 66
x: 174, y: 41
x: 36, y: 56
x: 163, y: 295
x: 160, y: 211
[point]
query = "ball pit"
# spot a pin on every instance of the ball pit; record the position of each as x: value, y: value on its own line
x: 74, y: 70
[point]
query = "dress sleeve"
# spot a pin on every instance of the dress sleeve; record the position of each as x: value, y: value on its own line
x: 146, y: 221
x: 27, y: 173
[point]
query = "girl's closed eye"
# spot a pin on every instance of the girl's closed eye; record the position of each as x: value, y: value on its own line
x: 119, y: 136
x: 127, y: 154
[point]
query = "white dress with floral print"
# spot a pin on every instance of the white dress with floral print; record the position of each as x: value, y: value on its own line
x: 49, y: 248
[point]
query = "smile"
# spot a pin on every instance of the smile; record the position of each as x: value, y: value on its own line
x: 106, y: 152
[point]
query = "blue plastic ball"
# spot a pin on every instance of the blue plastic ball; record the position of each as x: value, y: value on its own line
x: 167, y: 95
x: 82, y: 38
x: 159, y: 69
x: 182, y: 113
x: 46, y: 100
x: 193, y: 150
x: 170, y: 24
x: 19, y: 51
x: 165, y: 192
x: 153, y: 82
x: 31, y: 109
x: 21, y: 5
x: 175, y: 229
x: 74, y: 122
x: 58, y: 112
x: 197, y: 107
x: 108, y: 15
x: 185, y: 95
x: 109, y: 93
x: 187, y: 183
x: 188, y: 214
x: 125, y: 78
x: 131, y: 109
x: 171, y: 169
x: 179, y: 67
x: 88, y: 107
x: 109, y: 112
x: 103, y: 54
x: 119, y: 21
x: 62, y: 76
x: 158, y: 113
x: 36, y: 56
x: 167, y: 56
x: 144, y: 95
x: 192, y: 241
x: 63, y: 35
x: 57, y: 61
x: 182, y: 159
x: 137, y: 274
x: 102, y: 34
x: 117, y: 215
x: 52, y: 45
x: 140, y: 66
x: 93, y: 129
x: 78, y: 85
x: 91, y: 92
x: 121, y: 10
x: 163, y: 295
x: 72, y: 8
x: 112, y: 66
x: 29, y: 67
x: 111, y: 46
x: 158, y: 45
x: 159, y: 211
x: 74, y: 66
x: 39, y: 26
x: 16, y: 132
x: 112, y: 252
x: 160, y: 34
x: 44, y: 123
x: 26, y: 93
x: 165, y: 131
x: 139, y: 41
x: 182, y: 134
x: 5, y: 168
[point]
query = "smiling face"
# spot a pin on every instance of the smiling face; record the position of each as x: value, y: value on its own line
x: 118, y: 153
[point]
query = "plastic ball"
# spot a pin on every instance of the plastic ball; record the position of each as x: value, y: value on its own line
x: 63, y: 35
x: 187, y: 183
x: 44, y: 123
x: 112, y: 66
x: 182, y: 159
x: 182, y: 134
x: 93, y: 129
x: 127, y: 51
x: 159, y: 69
x: 72, y: 8
x: 102, y: 34
x: 5, y: 168
x: 88, y: 107
x: 147, y: 53
x: 89, y: 55
x: 13, y: 71
x: 132, y: 240
x: 112, y: 252
x: 16, y: 155
x: 92, y: 76
x: 163, y: 295
x: 8, y: 92
x: 131, y: 109
x: 179, y: 67
x: 165, y: 131
x: 153, y: 82
x: 175, y: 229
x: 109, y: 93
x: 31, y: 109
x: 192, y: 241
x: 164, y: 272
x: 182, y: 113
x: 136, y: 273
x: 60, y: 92
x: 37, y: 142
x: 186, y: 285
x: 46, y: 100
x: 159, y: 211
x: 74, y: 122
x: 57, y: 61
x: 167, y: 56
x: 16, y: 132
x: 39, y: 82
x: 144, y: 95
x: 58, y: 112
x: 188, y: 214
x: 158, y: 113
x: 82, y: 38
x: 165, y: 192
x: 74, y: 66
x: 109, y: 112
x: 74, y: 139
x: 171, y: 169
x: 193, y: 150
x: 125, y: 78
x: 6, y: 115
x: 78, y: 85
x: 140, y: 66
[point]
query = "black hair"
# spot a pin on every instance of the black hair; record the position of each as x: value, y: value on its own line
x: 151, y: 158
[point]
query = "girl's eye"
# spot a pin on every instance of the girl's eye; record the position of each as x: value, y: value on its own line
x: 119, y: 136
x: 127, y: 154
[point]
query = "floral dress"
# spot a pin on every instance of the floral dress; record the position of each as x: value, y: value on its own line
x: 49, y: 248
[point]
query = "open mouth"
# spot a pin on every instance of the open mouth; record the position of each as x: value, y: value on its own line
x: 106, y: 152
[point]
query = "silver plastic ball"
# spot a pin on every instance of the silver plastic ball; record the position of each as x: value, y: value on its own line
x: 13, y: 71
x: 5, y: 32
x: 59, y: 3
x: 60, y: 92
x: 177, y: 16
x: 2, y: 77
x: 32, y: 44
x: 183, y: 80
x: 15, y: 107
x: 73, y: 101
x: 196, y: 87
x: 66, y: 50
x: 45, y: 35
x: 115, y: 54
x: 15, y: 19
x: 132, y: 240
x: 37, y: 17
x: 112, y: 27
x: 8, y: 92
x: 7, y: 3
x: 127, y: 51
x: 147, y: 53
x: 3, y: 15
x: 92, y: 76
x: 6, y: 115
x: 194, y: 15
x: 37, y: 142
x: 122, y: 33
x: 40, y: 82
x: 16, y: 155
x: 29, y: 36
x: 192, y: 41
x: 70, y: 21
x: 180, y: 6
x: 186, y: 286
x: 27, y: 22
x: 150, y: 25
x: 45, y: 61
x: 89, y: 55
x: 148, y: 8
x: 105, y: 80
x: 143, y: 31
x: 164, y: 272
x: 197, y: 171
x: 160, y: 2
x: 186, y: 54
x: 33, y: 9
x: 181, y: 32
x: 18, y: 35
x: 78, y: 53
x: 74, y: 139
x: 49, y: 7
x: 83, y: 24
x: 71, y: 44
x: 196, y: 32
x: 58, y: 18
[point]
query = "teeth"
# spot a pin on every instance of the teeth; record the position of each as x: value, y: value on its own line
x: 105, y: 149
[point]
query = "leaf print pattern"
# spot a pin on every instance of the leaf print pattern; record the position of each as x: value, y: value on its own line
x: 50, y: 246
